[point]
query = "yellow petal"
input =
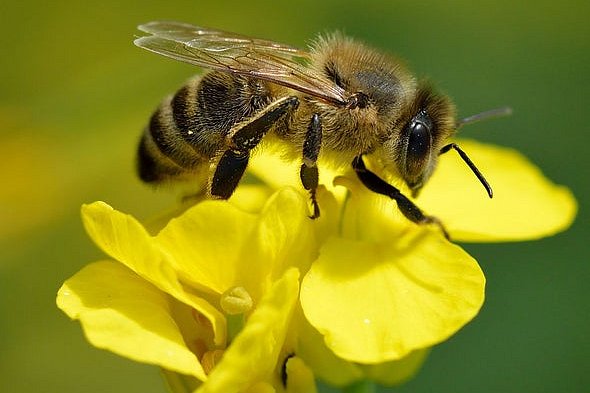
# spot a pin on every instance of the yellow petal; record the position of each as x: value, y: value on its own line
x: 179, y: 383
x: 300, y: 378
x: 261, y: 387
x: 273, y: 169
x: 126, y: 240
x: 283, y: 237
x: 526, y: 205
x: 276, y: 169
x: 251, y: 198
x: 398, y: 371
x: 376, y: 302
x: 123, y: 313
x: 370, y: 216
x: 205, y: 243
x: 330, y: 213
x: 252, y: 357
x: 324, y: 363
x: 122, y: 237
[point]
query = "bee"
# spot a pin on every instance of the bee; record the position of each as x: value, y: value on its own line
x: 339, y: 98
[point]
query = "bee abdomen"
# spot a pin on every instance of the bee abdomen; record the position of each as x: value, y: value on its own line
x: 152, y: 165
x: 189, y: 115
x: 163, y: 151
x: 189, y: 129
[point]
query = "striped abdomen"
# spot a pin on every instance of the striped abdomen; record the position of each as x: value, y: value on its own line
x: 189, y: 129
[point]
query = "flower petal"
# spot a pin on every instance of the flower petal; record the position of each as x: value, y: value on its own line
x: 397, y: 371
x: 300, y: 378
x: 251, y: 198
x: 273, y: 169
x: 526, y: 205
x: 277, y: 169
x: 324, y: 363
x: 261, y: 387
x: 376, y: 302
x: 370, y: 216
x: 283, y: 237
x: 204, y: 244
x: 253, y: 355
x: 121, y: 312
x: 126, y: 240
x: 179, y: 383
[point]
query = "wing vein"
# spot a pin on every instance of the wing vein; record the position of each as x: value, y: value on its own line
x: 229, y: 52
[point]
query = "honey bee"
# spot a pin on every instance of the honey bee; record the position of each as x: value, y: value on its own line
x: 340, y: 99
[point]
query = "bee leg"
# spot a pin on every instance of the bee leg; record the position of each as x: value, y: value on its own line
x: 228, y: 173
x: 241, y: 139
x: 407, y: 207
x: 309, y: 170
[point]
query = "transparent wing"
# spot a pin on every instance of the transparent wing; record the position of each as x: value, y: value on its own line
x: 238, y: 54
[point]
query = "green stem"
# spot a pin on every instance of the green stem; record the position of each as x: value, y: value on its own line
x: 235, y: 324
x: 365, y: 386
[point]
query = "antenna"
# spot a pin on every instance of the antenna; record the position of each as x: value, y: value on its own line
x: 498, y: 112
x: 471, y: 166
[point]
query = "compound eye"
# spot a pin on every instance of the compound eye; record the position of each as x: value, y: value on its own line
x: 419, y: 143
x: 418, y: 148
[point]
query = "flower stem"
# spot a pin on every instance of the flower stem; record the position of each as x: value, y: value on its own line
x: 235, y: 324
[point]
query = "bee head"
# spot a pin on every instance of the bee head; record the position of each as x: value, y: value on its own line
x: 429, y: 121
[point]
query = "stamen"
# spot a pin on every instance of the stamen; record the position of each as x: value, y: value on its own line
x: 210, y: 359
x: 236, y: 301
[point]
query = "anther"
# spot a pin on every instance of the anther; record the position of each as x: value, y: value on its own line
x: 210, y: 359
x: 236, y: 300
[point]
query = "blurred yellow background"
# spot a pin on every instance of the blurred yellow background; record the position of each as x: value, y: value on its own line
x: 75, y: 95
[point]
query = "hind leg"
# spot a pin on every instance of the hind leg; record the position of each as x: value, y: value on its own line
x: 241, y: 139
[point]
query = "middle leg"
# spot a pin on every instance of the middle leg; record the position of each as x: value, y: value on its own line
x: 309, y: 171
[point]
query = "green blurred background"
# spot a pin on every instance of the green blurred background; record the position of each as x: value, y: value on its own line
x: 75, y: 94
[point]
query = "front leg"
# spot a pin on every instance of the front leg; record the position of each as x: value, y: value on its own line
x: 309, y: 171
x: 380, y: 186
x: 241, y: 139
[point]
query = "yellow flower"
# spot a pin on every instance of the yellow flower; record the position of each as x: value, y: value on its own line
x: 175, y: 296
x: 383, y: 290
x: 216, y: 294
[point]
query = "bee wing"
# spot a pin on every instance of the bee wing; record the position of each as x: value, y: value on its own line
x: 238, y: 54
